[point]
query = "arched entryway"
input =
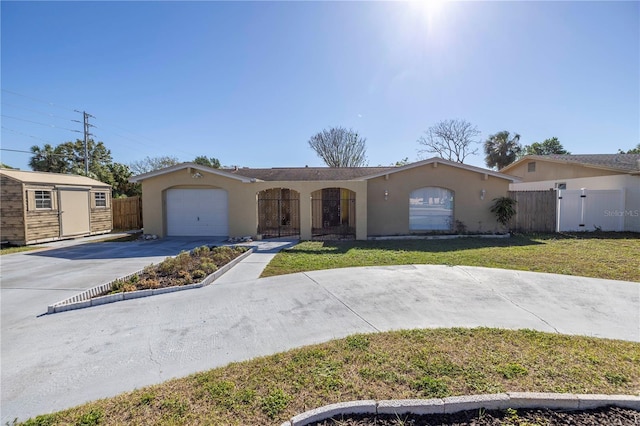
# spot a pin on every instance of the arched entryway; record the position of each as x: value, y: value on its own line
x: 279, y: 213
x: 333, y: 213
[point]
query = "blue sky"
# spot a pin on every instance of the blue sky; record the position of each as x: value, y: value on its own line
x: 251, y: 82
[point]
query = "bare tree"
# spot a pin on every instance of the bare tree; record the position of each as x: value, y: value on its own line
x: 149, y: 164
x: 339, y: 147
x: 450, y: 139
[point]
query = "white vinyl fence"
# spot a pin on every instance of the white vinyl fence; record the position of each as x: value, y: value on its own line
x: 591, y: 210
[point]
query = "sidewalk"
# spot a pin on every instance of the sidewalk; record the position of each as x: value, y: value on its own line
x: 249, y: 269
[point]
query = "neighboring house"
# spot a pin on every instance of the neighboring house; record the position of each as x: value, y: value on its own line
x: 38, y: 207
x: 560, y: 168
x: 433, y: 195
x: 599, y: 191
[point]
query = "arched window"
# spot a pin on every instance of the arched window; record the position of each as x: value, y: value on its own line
x: 431, y: 209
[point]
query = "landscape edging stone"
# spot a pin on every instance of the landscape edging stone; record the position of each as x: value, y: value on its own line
x: 455, y: 404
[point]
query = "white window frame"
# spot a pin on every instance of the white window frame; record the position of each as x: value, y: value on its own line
x: 100, y: 199
x: 43, y: 199
x: 431, y: 209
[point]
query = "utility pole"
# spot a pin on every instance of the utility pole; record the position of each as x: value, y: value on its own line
x: 86, y: 125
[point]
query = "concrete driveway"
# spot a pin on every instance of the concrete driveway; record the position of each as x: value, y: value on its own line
x: 53, y: 362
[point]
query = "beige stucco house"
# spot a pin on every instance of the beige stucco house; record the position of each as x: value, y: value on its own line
x: 559, y: 168
x: 433, y: 195
x: 38, y: 207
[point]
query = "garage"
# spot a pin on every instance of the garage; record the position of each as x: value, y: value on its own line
x: 197, y: 212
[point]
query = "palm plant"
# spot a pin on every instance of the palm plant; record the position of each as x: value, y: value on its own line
x: 501, y: 150
x: 504, y: 209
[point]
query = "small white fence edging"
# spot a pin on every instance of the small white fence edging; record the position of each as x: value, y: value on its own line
x: 88, y: 297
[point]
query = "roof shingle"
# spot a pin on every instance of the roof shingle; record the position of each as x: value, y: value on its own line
x: 308, y: 173
x: 622, y: 162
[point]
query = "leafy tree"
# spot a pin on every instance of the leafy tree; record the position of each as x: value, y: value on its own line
x: 47, y: 159
x: 121, y: 187
x: 450, y: 139
x: 149, y: 164
x: 339, y: 147
x: 549, y: 146
x: 402, y: 162
x: 203, y: 160
x: 501, y: 150
x: 635, y: 150
x: 68, y: 157
x: 5, y: 166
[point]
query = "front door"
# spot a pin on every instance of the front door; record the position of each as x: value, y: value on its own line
x: 74, y: 212
x: 330, y: 207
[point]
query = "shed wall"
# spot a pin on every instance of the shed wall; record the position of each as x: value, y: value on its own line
x: 12, y: 205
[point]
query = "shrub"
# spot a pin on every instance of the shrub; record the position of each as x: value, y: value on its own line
x: 150, y: 283
x: 209, y: 267
x: 504, y: 209
x: 198, y: 273
x: 184, y: 275
x: 200, y: 251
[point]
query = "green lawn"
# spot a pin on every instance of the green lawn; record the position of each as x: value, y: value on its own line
x: 598, y: 255
x: 11, y: 250
x: 395, y: 365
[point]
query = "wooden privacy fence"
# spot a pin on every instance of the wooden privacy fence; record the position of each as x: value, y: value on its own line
x: 535, y: 211
x: 127, y: 213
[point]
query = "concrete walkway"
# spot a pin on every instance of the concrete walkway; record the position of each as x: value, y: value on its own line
x: 53, y: 362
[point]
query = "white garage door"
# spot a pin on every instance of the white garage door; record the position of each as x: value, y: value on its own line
x: 197, y: 212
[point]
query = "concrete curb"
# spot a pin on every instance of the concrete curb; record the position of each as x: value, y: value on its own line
x: 87, y: 298
x: 499, y: 401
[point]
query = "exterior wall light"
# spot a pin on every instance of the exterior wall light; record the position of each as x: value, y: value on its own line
x: 482, y: 193
x: 386, y: 194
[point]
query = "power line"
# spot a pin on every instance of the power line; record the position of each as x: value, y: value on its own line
x: 24, y: 134
x: 38, y: 100
x: 31, y: 152
x: 36, y: 111
x: 42, y: 124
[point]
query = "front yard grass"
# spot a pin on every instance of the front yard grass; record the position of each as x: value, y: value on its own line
x: 395, y: 365
x: 598, y: 255
x: 19, y: 249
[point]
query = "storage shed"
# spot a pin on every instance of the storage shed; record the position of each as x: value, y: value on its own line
x: 38, y: 207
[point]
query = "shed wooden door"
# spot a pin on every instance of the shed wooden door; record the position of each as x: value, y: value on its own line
x: 74, y: 212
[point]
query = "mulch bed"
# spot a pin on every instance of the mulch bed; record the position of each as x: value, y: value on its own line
x: 608, y: 416
x: 185, y: 268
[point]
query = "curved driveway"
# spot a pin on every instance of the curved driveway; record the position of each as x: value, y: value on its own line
x: 52, y: 362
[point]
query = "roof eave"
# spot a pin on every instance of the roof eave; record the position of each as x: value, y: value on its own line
x: 445, y: 162
x: 562, y: 161
x: 182, y: 166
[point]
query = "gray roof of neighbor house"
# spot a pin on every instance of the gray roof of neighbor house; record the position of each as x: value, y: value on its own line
x: 629, y: 163
x: 308, y: 173
x: 50, y: 178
